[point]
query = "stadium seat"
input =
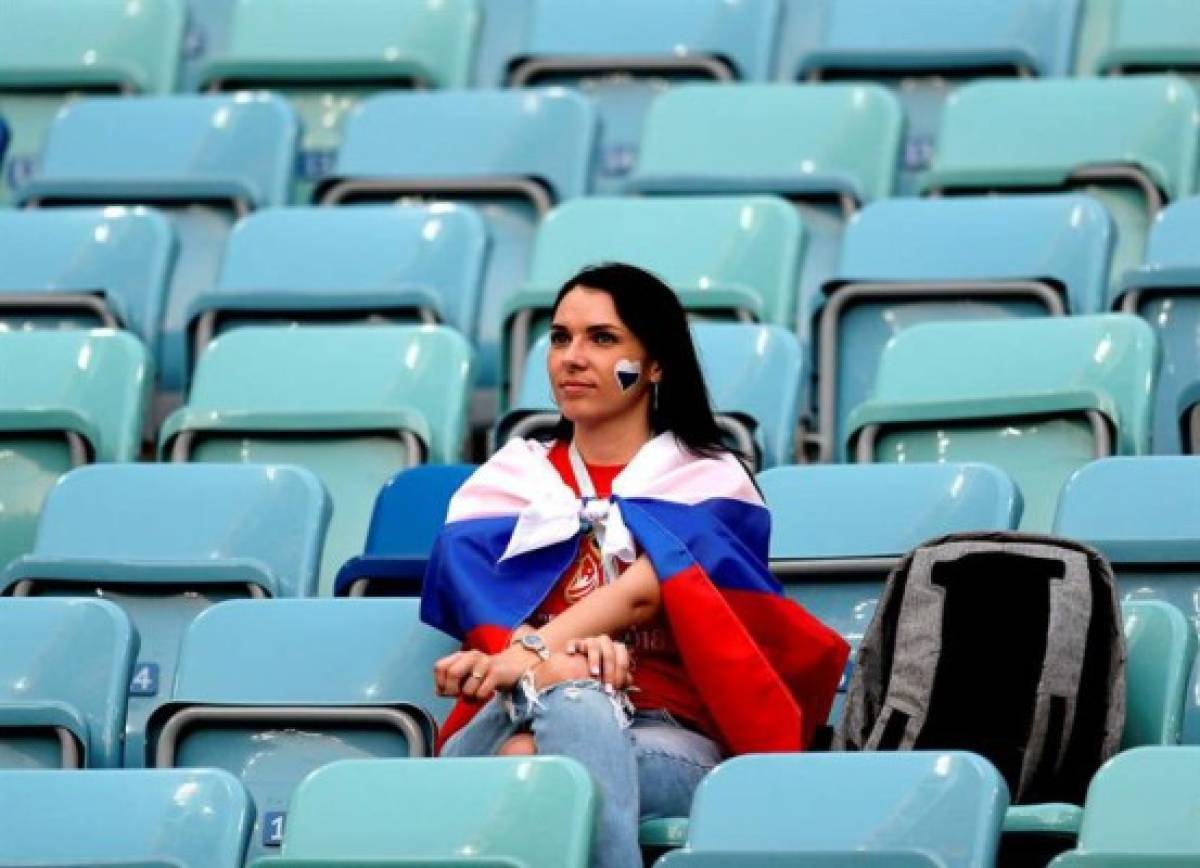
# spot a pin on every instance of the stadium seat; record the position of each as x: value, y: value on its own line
x: 1163, y: 291
x: 829, y: 148
x: 905, y: 261
x: 944, y: 806
x: 512, y: 154
x: 1143, y: 36
x: 3, y: 140
x: 409, y: 513
x: 726, y: 257
x: 80, y: 397
x: 1129, y: 142
x: 326, y: 56
x: 204, y: 160
x: 753, y: 373
x: 623, y: 52
x: 837, y: 531
x: 923, y: 49
x: 531, y: 812
x: 1037, y: 397
x: 206, y: 37
x: 270, y: 690
x: 165, y: 542
x: 51, y: 53
x: 354, y: 404
x: 131, y: 819
x: 1140, y: 812
x: 371, y: 264
x: 1142, y: 514
x: 86, y: 267
x: 64, y: 669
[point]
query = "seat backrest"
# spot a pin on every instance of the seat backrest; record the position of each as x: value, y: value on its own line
x: 835, y: 140
x: 1147, y: 36
x: 538, y: 810
x: 1161, y: 650
x: 189, y: 818
x: 331, y: 41
x: 1171, y: 261
x: 66, y: 664
x: 90, y: 382
x: 1142, y: 800
x: 369, y: 259
x: 162, y: 523
x: 124, y: 254
x: 951, y: 804
x: 1035, y: 37
x: 839, y: 512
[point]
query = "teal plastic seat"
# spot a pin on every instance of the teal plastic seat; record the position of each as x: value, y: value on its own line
x: 203, y: 160
x: 923, y: 50
x: 1163, y: 291
x: 828, y: 148
x: 535, y: 811
x: 621, y: 53
x: 726, y: 257
x: 63, y: 675
x: 1147, y: 36
x: 80, y: 397
x: 52, y: 53
x: 183, y: 819
x: 514, y: 155
x: 206, y: 36
x: 86, y: 267
x: 353, y: 404
x: 905, y: 261
x: 1142, y: 514
x: 270, y: 690
x: 1135, y: 156
x: 1038, y: 398
x: 1140, y: 811
x: 326, y: 56
x: 944, y: 805
x: 165, y: 542
x: 371, y: 264
x: 753, y: 373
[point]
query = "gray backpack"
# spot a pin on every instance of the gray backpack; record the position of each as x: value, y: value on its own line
x: 1006, y: 644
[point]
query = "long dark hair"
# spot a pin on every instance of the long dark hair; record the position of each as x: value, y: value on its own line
x: 650, y: 310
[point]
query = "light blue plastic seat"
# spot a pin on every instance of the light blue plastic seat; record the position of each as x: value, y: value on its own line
x: 203, y: 160
x: 64, y: 669
x: 326, y: 56
x: 621, y: 53
x: 183, y: 819
x: 165, y: 542
x: 1163, y: 291
x: 270, y: 690
x: 944, y: 805
x: 1143, y: 514
x: 86, y: 267
x: 206, y: 36
x: 923, y: 49
x: 514, y: 155
x: 1139, y: 812
x: 52, y: 53
x: 371, y: 264
x: 408, y: 516
x: 1141, y: 36
x: 905, y: 261
x: 1135, y: 155
x: 80, y: 396
x: 726, y: 257
x: 829, y: 148
x: 1037, y: 397
x: 353, y: 404
x: 753, y: 373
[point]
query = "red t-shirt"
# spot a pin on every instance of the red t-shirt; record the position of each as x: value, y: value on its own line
x: 659, y: 676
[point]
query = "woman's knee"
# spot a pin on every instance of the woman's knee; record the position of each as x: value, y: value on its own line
x: 560, y: 668
x: 521, y: 744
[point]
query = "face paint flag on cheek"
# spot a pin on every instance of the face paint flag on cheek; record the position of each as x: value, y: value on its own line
x: 628, y: 373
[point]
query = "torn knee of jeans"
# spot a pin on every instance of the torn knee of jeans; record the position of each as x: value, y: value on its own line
x: 573, y: 690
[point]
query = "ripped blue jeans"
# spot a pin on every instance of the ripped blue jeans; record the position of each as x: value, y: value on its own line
x: 645, y: 764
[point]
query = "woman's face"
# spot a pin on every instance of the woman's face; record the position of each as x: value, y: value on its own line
x: 589, y: 346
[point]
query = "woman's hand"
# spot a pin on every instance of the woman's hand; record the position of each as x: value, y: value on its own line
x: 607, y: 660
x: 459, y: 672
x: 504, y: 670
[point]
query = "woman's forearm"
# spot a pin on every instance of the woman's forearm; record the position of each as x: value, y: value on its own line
x: 611, y: 609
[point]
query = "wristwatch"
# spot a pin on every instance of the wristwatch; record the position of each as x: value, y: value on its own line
x: 533, y: 642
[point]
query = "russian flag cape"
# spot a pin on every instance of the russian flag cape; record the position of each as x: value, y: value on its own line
x: 765, y: 669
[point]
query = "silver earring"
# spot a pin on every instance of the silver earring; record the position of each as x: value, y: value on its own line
x: 655, y: 398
